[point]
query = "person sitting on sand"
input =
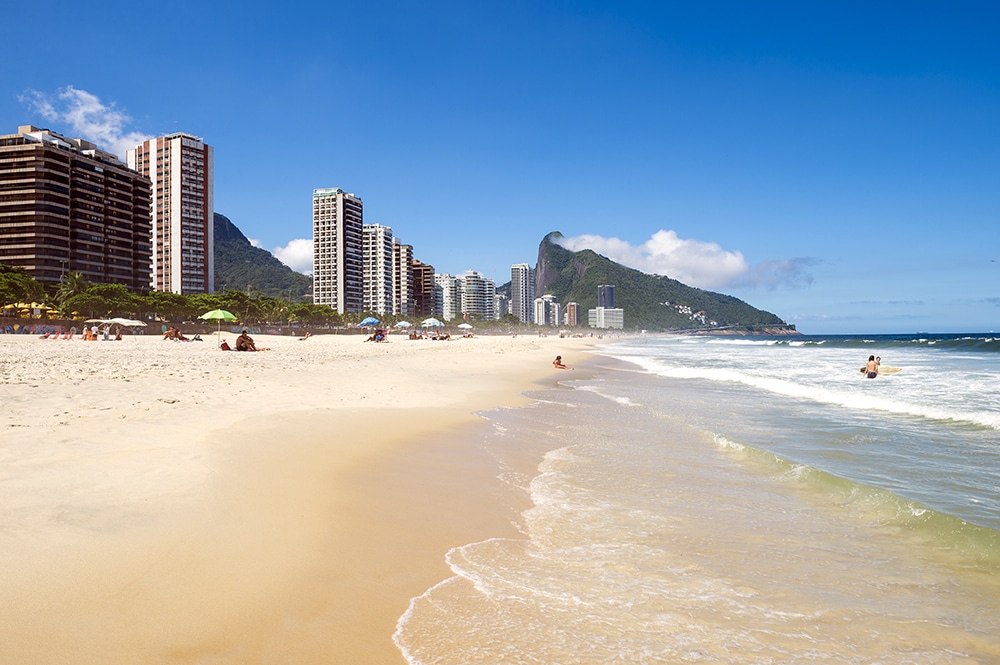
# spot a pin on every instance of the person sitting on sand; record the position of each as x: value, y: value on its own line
x: 558, y: 363
x: 175, y: 334
x: 871, y: 369
x: 245, y: 343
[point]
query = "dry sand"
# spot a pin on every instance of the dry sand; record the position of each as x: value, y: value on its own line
x: 167, y: 502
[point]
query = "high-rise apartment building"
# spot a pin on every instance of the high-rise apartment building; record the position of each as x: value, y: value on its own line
x: 606, y: 296
x: 377, y: 280
x: 424, y: 302
x: 601, y: 317
x: 572, y: 315
x: 402, y: 278
x: 477, y: 295
x: 180, y: 167
x: 338, y: 273
x: 501, y: 305
x: 547, y: 311
x: 469, y: 295
x: 447, y: 298
x: 67, y: 206
x: 522, y: 292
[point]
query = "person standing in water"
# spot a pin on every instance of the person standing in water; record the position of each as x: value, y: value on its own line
x: 871, y: 369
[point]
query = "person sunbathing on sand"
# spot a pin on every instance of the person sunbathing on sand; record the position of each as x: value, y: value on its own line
x: 558, y: 363
x: 175, y: 334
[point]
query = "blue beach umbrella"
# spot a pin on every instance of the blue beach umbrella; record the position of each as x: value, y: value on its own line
x: 370, y: 321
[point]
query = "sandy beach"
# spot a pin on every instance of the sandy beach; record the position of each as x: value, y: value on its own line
x: 167, y: 502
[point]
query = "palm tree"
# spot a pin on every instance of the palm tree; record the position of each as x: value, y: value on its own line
x: 74, y: 284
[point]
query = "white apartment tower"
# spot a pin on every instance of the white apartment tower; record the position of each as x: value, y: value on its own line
x: 338, y: 264
x: 402, y: 278
x: 447, y: 297
x: 376, y: 242
x: 477, y: 295
x: 522, y: 292
x: 501, y: 305
x: 181, y: 208
x: 547, y: 311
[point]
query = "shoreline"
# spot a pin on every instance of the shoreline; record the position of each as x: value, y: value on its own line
x: 173, y: 503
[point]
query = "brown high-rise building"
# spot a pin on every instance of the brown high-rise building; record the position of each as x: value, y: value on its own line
x: 67, y: 206
x: 423, y: 288
x: 573, y: 314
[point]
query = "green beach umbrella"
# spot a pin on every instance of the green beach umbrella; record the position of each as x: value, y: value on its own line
x: 219, y: 315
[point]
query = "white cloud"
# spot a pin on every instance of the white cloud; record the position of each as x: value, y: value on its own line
x: 297, y: 255
x: 85, y: 116
x: 254, y: 242
x: 772, y: 274
x: 694, y: 262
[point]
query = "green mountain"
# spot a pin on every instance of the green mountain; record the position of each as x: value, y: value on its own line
x: 239, y: 264
x: 650, y: 302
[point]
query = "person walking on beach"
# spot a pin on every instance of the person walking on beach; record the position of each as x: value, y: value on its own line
x: 871, y: 369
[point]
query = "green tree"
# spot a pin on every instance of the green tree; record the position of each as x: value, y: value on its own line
x: 73, y: 283
x: 238, y: 303
x: 165, y: 305
x: 90, y: 305
x: 117, y: 299
x: 200, y: 303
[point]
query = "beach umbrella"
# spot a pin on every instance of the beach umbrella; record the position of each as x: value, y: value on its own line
x: 431, y: 323
x: 218, y: 315
x: 403, y: 324
x: 29, y: 307
x: 464, y: 325
x: 128, y: 323
x: 370, y: 321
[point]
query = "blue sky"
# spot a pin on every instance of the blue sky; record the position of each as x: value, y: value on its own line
x: 836, y: 163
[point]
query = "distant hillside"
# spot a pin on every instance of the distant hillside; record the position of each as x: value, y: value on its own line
x: 650, y: 302
x: 238, y: 264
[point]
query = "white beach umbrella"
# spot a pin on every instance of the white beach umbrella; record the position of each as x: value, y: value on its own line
x: 431, y: 323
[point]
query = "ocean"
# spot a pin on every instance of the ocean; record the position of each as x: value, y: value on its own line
x: 739, y: 500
